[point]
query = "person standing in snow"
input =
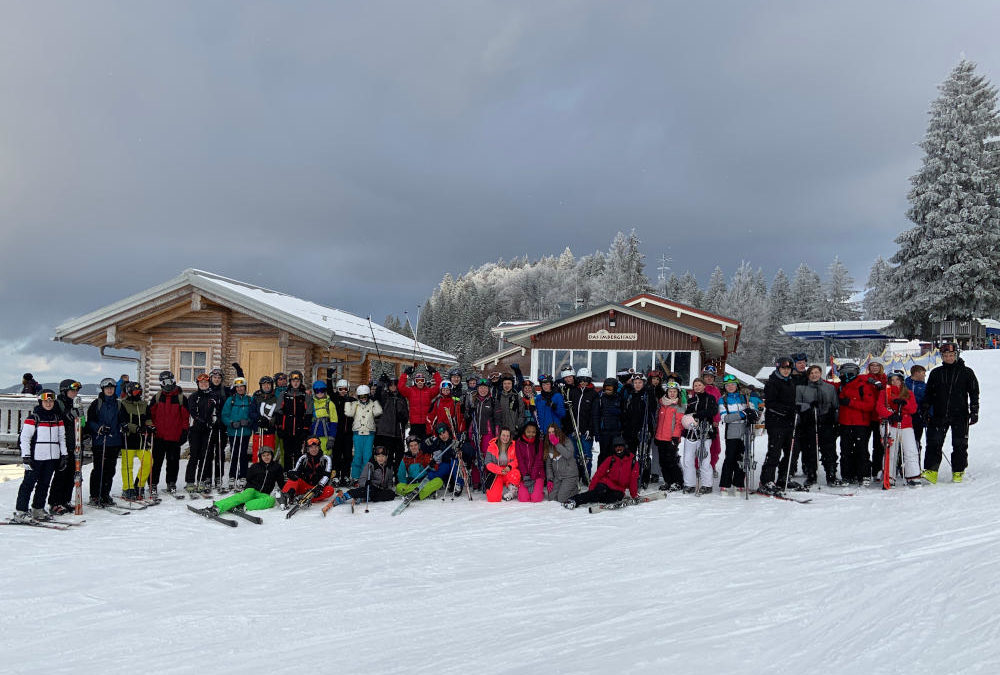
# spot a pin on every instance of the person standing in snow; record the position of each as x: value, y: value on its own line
x: 419, y: 396
x: 617, y: 474
x: 325, y: 418
x: 780, y: 422
x: 916, y: 383
x: 138, y: 437
x: 43, y: 450
x: 392, y: 424
x: 580, y: 396
x: 205, y: 408
x: 550, y: 407
x: 240, y: 417
x: 819, y: 407
x: 639, y: 422
x: 607, y: 416
x: 737, y: 413
x: 365, y: 413
x: 294, y: 418
x: 895, y: 407
x: 877, y: 379
x: 170, y: 416
x: 343, y: 445
x: 857, y: 400
x: 701, y: 409
x: 951, y: 402
x: 61, y: 492
x: 104, y: 422
x: 708, y: 377
x: 669, y: 431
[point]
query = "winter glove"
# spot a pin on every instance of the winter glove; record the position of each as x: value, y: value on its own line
x: 384, y: 379
x: 292, y: 475
x: 899, y: 401
x: 875, y: 383
x: 63, y: 462
x: 515, y: 367
x: 431, y: 370
x: 844, y: 402
x: 549, y: 486
x: 894, y: 419
x: 752, y: 415
x: 408, y: 370
x: 973, y: 418
x: 676, y: 440
x: 103, y: 430
x: 131, y: 428
x: 28, y: 463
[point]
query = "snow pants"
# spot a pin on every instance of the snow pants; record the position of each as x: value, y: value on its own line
x: 250, y: 498
x: 587, y: 444
x: 371, y: 494
x: 103, y: 473
x: 394, y: 446
x: 805, y: 440
x: 343, y: 452
x: 37, y: 479
x: 732, y: 474
x: 601, y: 493
x: 854, y: 462
x: 531, y: 490
x: 564, y: 488
x: 241, y: 456
x: 293, y: 448
x: 778, y: 457
x: 499, y: 481
x: 363, y: 444
x: 959, y: 444
x: 670, y: 467
x: 692, y: 474
x: 171, y: 452
x: 300, y: 487
x: 132, y: 478
x: 906, y: 440
x: 878, y: 447
x: 61, y: 491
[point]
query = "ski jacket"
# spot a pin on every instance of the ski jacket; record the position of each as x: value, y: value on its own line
x: 380, y: 476
x: 580, y: 401
x: 395, y: 412
x: 481, y: 414
x: 530, y: 462
x: 607, y: 415
x: 68, y: 412
x: 441, y: 452
x: 106, y: 411
x: 266, y: 406
x: 820, y: 395
x: 419, y: 398
x: 564, y: 464
x: 668, y: 420
x: 265, y: 477
x: 31, y: 387
x: 860, y: 401
x: 886, y: 406
x: 364, y: 415
x: 325, y: 419
x: 345, y: 424
x: 43, y: 435
x: 295, y: 413
x: 704, y: 408
x: 509, y: 411
x: 733, y: 411
x: 640, y: 416
x: 239, y: 415
x: 170, y: 415
x: 779, y: 397
x: 411, y: 466
x: 919, y: 389
x: 618, y: 473
x: 314, y: 470
x: 135, y: 422
x: 550, y: 408
x: 496, y: 460
x: 952, y: 392
x: 205, y: 407
x: 714, y: 391
x: 441, y: 407
x: 883, y: 381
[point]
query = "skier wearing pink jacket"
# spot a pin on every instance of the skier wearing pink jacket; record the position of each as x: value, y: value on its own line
x: 531, y: 463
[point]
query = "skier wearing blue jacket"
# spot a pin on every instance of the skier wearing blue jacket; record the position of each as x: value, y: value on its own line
x: 550, y: 406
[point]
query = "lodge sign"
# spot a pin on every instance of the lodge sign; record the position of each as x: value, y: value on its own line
x: 606, y: 336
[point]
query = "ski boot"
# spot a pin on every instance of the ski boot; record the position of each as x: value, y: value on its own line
x: 285, y: 498
x: 205, y: 489
x: 241, y: 484
x: 956, y: 476
x: 21, y: 517
x: 59, y: 510
x: 154, y: 492
x: 569, y: 504
x: 40, y: 515
x: 107, y: 501
x: 191, y: 488
x: 340, y: 498
x: 510, y: 493
x: 929, y: 476
x: 769, y: 488
x: 866, y: 482
x: 689, y: 490
x: 706, y: 490
x: 95, y: 502
x: 835, y: 482
x: 912, y: 482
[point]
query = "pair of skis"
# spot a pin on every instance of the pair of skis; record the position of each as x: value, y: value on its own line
x: 46, y: 524
x: 209, y: 514
x: 628, y: 501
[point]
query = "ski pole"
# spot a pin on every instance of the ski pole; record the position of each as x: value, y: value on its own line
x: 372, y: 329
x: 791, y: 449
x: 368, y: 491
x: 816, y: 424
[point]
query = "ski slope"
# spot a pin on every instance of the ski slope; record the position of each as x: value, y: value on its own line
x: 882, y: 582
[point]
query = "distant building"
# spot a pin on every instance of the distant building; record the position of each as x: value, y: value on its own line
x: 199, y: 321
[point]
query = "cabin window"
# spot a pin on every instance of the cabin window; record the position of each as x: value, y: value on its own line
x: 191, y: 364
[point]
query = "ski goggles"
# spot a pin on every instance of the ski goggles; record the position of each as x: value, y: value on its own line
x: 167, y: 382
x: 948, y: 347
x: 312, y: 441
x: 203, y: 377
x: 74, y: 387
x: 46, y: 396
x: 381, y: 451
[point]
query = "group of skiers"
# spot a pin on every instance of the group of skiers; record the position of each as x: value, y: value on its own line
x: 502, y: 434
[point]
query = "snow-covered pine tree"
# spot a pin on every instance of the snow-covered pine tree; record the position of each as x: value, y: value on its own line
x: 745, y: 302
x: 673, y: 288
x: 838, y: 289
x: 779, y: 312
x: 716, y: 289
x: 946, y: 265
x: 878, y: 295
x: 689, y: 292
x: 624, y: 276
x: 807, y: 300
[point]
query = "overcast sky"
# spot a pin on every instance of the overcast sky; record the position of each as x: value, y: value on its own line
x: 352, y: 153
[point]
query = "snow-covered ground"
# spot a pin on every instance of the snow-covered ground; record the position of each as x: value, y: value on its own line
x: 903, y: 581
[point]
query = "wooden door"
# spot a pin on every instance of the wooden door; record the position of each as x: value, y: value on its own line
x: 259, y: 357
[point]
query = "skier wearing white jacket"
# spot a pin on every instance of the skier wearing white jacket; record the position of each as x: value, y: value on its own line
x: 43, y: 449
x: 363, y: 411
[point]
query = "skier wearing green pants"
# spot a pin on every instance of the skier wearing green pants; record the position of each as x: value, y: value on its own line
x: 262, y: 478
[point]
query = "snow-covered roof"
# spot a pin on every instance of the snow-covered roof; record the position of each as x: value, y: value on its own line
x: 837, y: 330
x: 744, y: 378
x: 496, y: 356
x: 321, y: 324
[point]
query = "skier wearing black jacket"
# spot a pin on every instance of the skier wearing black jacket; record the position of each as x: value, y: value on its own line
x: 264, y: 476
x: 391, y: 425
x: 951, y: 402
x: 205, y: 407
x: 640, y: 424
x: 61, y: 492
x: 606, y: 416
x: 779, y: 396
x: 580, y: 396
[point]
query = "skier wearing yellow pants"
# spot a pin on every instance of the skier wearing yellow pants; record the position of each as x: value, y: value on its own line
x: 324, y: 425
x: 138, y: 441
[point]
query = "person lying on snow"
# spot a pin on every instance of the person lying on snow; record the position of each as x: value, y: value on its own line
x: 262, y: 478
x: 376, y: 483
x: 312, y: 470
x: 615, y: 475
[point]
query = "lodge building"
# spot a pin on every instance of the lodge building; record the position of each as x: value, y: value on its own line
x: 643, y: 333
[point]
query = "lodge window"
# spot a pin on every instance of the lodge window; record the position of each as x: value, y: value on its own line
x: 190, y: 364
x: 607, y: 363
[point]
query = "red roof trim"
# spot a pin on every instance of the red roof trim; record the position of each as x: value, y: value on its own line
x: 680, y: 305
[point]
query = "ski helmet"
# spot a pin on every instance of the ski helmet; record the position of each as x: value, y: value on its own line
x: 342, y: 384
x: 295, y: 375
x: 567, y: 372
x: 107, y: 382
x: 783, y: 362
x: 67, y: 385
x: 611, y: 382
x: 166, y: 375
x: 673, y: 386
x: 639, y: 377
x: 215, y: 371
x: 420, y: 377
x: 46, y: 395
x: 948, y: 347
x: 849, y: 371
x: 900, y: 374
x: 280, y: 376
x: 545, y: 378
x: 411, y: 439
x: 319, y: 385
x: 239, y: 382
x: 619, y: 442
x: 709, y: 370
x: 483, y: 382
x: 455, y: 371
x: 730, y: 378
x: 312, y: 442
x: 439, y: 427
x: 655, y: 373
x: 267, y: 379
x: 584, y: 374
x: 446, y: 383
x: 364, y: 390
x: 265, y: 449
x: 133, y: 387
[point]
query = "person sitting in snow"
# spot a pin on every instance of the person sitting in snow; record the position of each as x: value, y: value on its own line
x: 616, y: 474
x: 376, y: 483
x: 503, y: 477
x: 442, y: 448
x: 262, y: 478
x: 311, y: 473
x: 414, y: 462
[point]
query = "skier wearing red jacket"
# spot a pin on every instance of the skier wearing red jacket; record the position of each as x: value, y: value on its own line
x: 857, y: 401
x: 419, y: 397
x: 615, y: 475
x: 447, y: 409
x: 877, y: 380
x: 896, y: 407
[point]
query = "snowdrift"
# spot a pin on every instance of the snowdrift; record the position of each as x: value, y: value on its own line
x: 882, y: 582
